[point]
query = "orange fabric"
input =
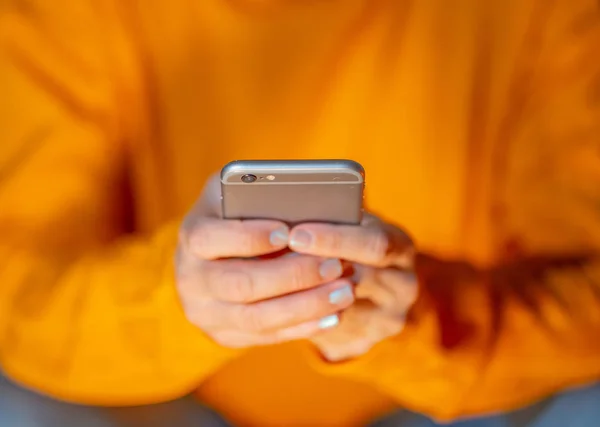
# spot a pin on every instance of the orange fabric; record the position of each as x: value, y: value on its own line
x: 478, y: 124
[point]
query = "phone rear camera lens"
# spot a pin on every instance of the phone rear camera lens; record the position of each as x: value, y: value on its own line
x: 248, y: 178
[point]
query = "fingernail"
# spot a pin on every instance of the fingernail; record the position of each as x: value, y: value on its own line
x: 342, y: 295
x: 330, y: 269
x: 329, y: 321
x: 279, y: 237
x: 301, y: 239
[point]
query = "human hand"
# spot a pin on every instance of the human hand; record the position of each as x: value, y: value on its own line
x: 248, y: 302
x: 386, y: 287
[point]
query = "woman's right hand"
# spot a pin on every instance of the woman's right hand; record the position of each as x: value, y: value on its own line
x: 240, y: 300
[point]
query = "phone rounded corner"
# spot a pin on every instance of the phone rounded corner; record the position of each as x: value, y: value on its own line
x: 227, y: 170
x: 355, y: 168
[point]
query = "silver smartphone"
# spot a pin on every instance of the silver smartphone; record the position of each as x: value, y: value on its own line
x: 294, y: 191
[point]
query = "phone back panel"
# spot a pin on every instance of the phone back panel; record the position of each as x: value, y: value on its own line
x: 294, y: 191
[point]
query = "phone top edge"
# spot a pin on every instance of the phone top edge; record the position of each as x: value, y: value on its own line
x: 332, y: 166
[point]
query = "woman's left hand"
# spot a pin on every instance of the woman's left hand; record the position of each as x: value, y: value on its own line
x: 382, y: 257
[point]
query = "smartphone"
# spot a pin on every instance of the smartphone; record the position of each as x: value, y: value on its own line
x: 294, y: 191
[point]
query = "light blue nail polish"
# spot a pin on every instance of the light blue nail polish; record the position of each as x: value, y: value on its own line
x: 331, y: 269
x: 301, y: 239
x: 279, y: 237
x: 329, y: 321
x: 340, y: 295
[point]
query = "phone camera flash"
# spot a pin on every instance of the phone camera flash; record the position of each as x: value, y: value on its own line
x: 270, y: 177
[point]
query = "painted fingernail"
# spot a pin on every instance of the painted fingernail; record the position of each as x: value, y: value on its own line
x: 330, y: 269
x: 279, y: 237
x: 301, y: 239
x: 329, y: 321
x: 342, y: 295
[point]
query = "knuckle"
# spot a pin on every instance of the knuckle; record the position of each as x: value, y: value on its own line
x: 404, y: 285
x: 250, y: 319
x: 192, y: 278
x: 200, y: 240
x: 335, y: 240
x: 296, y: 274
x: 236, y: 286
x: 189, y: 286
x: 378, y: 247
x: 245, y: 235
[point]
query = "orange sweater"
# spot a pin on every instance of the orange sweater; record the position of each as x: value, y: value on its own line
x: 478, y: 123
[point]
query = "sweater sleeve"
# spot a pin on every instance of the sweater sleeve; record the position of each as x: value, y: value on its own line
x: 88, y: 309
x: 487, y: 340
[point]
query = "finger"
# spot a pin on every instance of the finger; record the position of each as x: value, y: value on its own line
x: 247, y: 281
x: 362, y: 326
x: 212, y: 238
x: 291, y: 310
x: 297, y: 332
x: 239, y: 339
x: 368, y: 286
x: 306, y: 329
x: 402, y: 285
x: 376, y: 244
x: 391, y: 289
